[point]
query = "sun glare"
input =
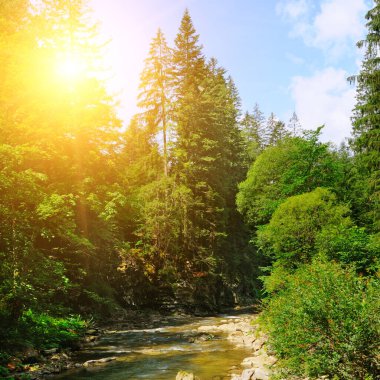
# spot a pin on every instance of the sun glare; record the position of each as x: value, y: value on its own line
x: 71, y: 68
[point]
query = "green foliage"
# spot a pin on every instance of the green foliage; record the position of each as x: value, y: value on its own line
x: 252, y: 126
x: 366, y: 121
x: 291, y: 234
x: 183, y: 213
x: 43, y: 331
x: 352, y: 246
x: 294, y: 166
x: 323, y: 320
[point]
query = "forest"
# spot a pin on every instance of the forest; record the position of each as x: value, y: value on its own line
x: 197, y: 205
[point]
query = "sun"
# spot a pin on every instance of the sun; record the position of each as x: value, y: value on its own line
x: 71, y: 67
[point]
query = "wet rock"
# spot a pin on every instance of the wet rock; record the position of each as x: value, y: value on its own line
x: 199, y: 338
x: 91, y: 363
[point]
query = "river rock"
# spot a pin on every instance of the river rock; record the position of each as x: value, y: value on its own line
x: 208, y: 328
x: 183, y: 375
x: 50, y: 351
x: 249, y: 362
x: 90, y: 338
x: 248, y: 374
x: 261, y: 374
x: 259, y: 343
x: 90, y: 363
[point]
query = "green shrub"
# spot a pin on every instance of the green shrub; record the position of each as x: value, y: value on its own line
x: 351, y: 246
x: 324, y: 320
x: 44, y: 331
x: 290, y: 236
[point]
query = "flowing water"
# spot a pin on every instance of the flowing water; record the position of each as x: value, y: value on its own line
x: 159, y: 353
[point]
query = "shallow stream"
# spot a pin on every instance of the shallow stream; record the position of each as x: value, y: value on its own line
x: 160, y: 352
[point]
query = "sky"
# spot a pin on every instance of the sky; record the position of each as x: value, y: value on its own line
x: 284, y: 55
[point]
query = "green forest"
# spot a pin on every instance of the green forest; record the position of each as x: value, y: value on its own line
x: 196, y: 205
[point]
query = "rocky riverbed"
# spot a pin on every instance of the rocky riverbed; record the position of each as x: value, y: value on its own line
x: 171, y: 347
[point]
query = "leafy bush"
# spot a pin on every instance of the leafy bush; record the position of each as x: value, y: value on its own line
x: 294, y: 166
x: 44, y: 331
x: 351, y: 246
x: 294, y: 227
x: 324, y: 320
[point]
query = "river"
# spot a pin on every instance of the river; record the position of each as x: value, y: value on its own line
x: 159, y: 353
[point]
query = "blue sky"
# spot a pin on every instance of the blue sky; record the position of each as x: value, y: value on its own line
x: 286, y: 55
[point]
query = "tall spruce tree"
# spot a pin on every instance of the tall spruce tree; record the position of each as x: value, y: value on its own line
x: 366, y: 119
x: 275, y: 130
x: 207, y: 148
x: 156, y: 93
x: 252, y: 126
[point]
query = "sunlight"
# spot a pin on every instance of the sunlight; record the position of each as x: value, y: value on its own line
x: 71, y: 67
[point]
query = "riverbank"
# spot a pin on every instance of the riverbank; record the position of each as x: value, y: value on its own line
x: 245, y: 332
x: 142, y: 340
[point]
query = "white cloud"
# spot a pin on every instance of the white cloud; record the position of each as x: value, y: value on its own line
x: 325, y: 98
x: 333, y: 27
x: 338, y: 24
x: 292, y: 9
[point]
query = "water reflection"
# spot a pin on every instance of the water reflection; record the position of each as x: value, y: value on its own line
x: 159, y: 353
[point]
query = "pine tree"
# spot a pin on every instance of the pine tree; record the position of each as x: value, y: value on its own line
x: 188, y: 59
x: 206, y: 149
x: 275, y: 130
x: 294, y: 125
x: 366, y: 118
x: 156, y: 92
x: 253, y: 125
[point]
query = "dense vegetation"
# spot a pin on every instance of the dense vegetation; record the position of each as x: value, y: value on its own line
x: 314, y: 213
x: 95, y: 217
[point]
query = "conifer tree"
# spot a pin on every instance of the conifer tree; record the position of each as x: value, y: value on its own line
x: 294, y: 125
x: 366, y: 118
x: 253, y: 128
x: 156, y: 93
x: 275, y: 130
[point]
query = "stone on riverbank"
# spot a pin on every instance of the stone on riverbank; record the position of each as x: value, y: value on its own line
x: 183, y: 375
